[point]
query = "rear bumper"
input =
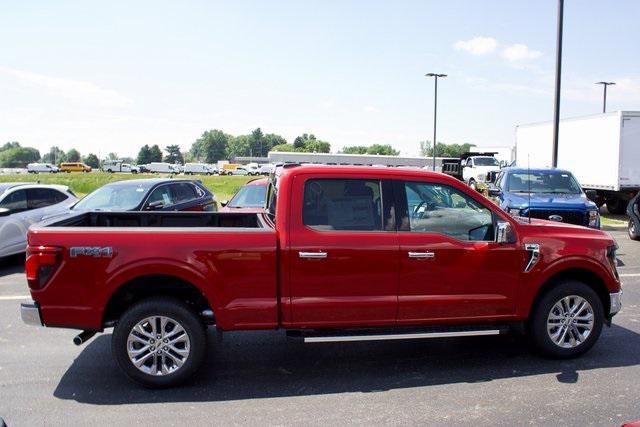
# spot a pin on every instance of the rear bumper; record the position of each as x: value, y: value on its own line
x: 30, y: 314
x: 616, y: 302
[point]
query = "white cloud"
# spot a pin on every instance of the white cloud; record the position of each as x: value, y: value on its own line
x: 520, y: 52
x: 371, y: 109
x: 477, y: 45
x: 75, y: 90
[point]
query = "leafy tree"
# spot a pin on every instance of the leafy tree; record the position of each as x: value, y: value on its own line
x: 73, y: 155
x: 18, y: 157
x: 91, y: 160
x: 211, y: 146
x: 173, y: 154
x: 238, y: 146
x: 383, y: 150
x: 317, y: 146
x: 444, y: 150
x: 11, y: 144
x: 298, y: 143
x: 54, y: 156
x: 356, y: 149
x: 113, y: 156
x: 144, y: 155
x: 155, y: 153
x: 284, y: 148
x: 271, y: 140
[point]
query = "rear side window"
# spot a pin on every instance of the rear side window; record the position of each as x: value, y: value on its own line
x: 342, y: 204
x: 161, y: 194
x: 183, y: 192
x: 42, y: 197
x: 16, y: 201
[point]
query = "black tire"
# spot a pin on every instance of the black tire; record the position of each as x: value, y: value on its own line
x: 633, y: 231
x: 540, y: 313
x: 616, y: 206
x: 167, y: 307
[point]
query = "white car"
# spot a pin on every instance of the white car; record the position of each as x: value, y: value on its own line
x: 267, y: 169
x: 240, y: 170
x: 23, y: 204
x: 42, y: 168
x: 159, y: 167
x: 112, y: 166
x: 198, y: 169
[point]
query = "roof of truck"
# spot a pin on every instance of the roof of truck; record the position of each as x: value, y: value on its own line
x: 293, y: 169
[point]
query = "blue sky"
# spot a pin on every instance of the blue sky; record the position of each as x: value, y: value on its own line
x: 112, y: 76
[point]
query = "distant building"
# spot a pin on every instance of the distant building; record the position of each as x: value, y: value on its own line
x: 352, y: 159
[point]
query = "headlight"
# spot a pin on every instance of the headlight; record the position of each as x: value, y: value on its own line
x: 594, y: 216
x: 514, y: 212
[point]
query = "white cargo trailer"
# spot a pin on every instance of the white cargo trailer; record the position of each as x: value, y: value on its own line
x: 602, y: 151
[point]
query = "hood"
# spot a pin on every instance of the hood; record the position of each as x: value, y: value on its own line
x: 551, y: 201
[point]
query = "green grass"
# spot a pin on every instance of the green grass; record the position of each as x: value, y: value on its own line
x: 614, y: 220
x: 82, y: 184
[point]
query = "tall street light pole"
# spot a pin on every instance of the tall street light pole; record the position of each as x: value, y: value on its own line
x: 435, y: 111
x: 556, y: 101
x: 604, y: 100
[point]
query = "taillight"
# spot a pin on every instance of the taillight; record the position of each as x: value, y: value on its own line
x: 42, y: 262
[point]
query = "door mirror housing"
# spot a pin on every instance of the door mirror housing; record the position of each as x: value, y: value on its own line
x: 224, y: 203
x: 505, y: 232
x: 494, y: 191
x: 154, y: 206
x: 4, y: 212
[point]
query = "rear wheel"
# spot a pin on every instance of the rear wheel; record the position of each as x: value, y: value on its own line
x: 567, y: 320
x: 633, y: 231
x: 159, y: 342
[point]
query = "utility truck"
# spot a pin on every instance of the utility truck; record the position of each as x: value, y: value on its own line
x: 602, y: 151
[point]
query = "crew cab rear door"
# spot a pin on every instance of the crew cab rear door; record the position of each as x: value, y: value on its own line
x: 343, y: 252
x: 450, y: 266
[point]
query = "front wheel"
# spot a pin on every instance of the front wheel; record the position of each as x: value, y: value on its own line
x: 567, y: 320
x: 159, y: 342
x: 633, y: 231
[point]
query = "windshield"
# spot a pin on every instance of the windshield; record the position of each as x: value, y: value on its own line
x: 543, y: 182
x: 486, y: 161
x: 118, y: 197
x: 249, y: 196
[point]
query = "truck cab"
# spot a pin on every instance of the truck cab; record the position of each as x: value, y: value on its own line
x: 475, y: 169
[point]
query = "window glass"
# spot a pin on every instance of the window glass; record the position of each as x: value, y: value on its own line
x: 435, y: 208
x: 16, y: 201
x: 249, y: 196
x: 183, y: 192
x: 42, y: 197
x: 553, y: 182
x: 342, y: 204
x: 161, y: 194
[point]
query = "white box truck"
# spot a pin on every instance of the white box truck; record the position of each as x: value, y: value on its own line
x: 602, y: 151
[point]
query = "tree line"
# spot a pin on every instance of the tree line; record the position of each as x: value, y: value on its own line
x: 214, y: 145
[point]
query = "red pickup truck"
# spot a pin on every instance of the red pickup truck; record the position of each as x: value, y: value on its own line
x: 340, y: 254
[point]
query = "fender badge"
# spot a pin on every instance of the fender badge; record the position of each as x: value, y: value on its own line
x: 92, y: 251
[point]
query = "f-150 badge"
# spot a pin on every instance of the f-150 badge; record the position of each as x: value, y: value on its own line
x: 92, y: 251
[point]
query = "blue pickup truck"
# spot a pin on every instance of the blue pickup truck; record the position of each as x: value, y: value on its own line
x: 551, y: 194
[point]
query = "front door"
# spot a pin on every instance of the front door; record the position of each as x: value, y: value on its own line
x: 343, y: 253
x: 450, y: 266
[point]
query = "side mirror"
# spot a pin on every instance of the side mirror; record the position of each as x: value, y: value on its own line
x: 224, y: 203
x: 4, y: 212
x: 494, y: 191
x: 591, y: 194
x: 505, y: 233
x: 154, y: 206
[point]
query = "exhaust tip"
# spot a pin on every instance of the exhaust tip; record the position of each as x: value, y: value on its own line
x: 83, y: 337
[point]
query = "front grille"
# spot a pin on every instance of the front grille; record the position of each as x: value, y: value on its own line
x: 570, y: 217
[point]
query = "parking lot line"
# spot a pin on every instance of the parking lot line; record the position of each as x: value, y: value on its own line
x: 14, y: 297
x: 630, y: 275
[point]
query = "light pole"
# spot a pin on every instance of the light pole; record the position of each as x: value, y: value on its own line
x: 604, y: 100
x: 556, y: 100
x: 435, y: 111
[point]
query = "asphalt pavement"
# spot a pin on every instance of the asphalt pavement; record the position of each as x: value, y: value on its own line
x: 261, y: 378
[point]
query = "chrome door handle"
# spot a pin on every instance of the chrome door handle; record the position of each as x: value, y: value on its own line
x: 312, y: 254
x: 421, y: 255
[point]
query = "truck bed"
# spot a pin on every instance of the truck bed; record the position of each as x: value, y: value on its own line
x: 231, y: 258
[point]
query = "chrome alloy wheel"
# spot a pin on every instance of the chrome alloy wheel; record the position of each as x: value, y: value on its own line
x: 158, y: 345
x: 570, y: 321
